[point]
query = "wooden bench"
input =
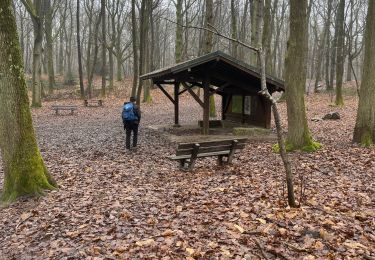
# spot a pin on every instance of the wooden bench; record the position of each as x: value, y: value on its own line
x: 187, y: 153
x: 93, y: 102
x: 72, y: 108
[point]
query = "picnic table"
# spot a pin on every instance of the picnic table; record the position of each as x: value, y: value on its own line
x: 93, y: 103
x: 70, y: 108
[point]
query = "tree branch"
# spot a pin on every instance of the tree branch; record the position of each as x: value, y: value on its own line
x: 214, y: 31
x: 30, y: 8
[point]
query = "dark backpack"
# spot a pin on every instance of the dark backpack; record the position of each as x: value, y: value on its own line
x: 128, y: 112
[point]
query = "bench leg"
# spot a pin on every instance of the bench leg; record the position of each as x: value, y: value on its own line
x: 193, y: 157
x: 191, y: 164
x: 182, y: 164
x: 220, y: 161
x: 232, y: 151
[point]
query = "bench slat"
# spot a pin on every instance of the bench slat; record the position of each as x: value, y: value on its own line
x: 174, y: 157
x: 63, y: 107
x: 209, y: 149
x: 211, y: 143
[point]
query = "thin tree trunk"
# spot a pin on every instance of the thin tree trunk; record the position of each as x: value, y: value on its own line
x: 104, y: 48
x: 208, y: 45
x: 49, y: 47
x: 233, y: 15
x: 340, y: 53
x: 80, y: 71
x: 264, y: 92
x: 179, y: 36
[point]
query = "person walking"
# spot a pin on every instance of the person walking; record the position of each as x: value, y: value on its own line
x: 131, y: 116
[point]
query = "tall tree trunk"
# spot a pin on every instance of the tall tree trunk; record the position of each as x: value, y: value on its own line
x: 364, y: 131
x: 295, y: 77
x: 255, y: 15
x: 104, y: 48
x: 242, y: 33
x: 147, y: 52
x: 24, y: 169
x: 37, y: 57
x: 69, y: 78
x: 142, y: 47
x: 333, y: 54
x: 233, y: 15
x: 328, y: 47
x: 49, y: 47
x: 96, y: 50
x: 135, y: 50
x: 340, y: 53
x: 80, y: 71
x: 179, y: 35
x: 37, y: 13
x: 325, y: 40
x: 267, y: 34
x: 208, y: 44
x: 63, y: 18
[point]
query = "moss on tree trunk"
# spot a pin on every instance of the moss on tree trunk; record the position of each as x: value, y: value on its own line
x: 364, y: 131
x: 24, y: 169
x: 295, y: 77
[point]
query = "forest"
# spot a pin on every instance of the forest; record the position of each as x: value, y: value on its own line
x: 187, y: 129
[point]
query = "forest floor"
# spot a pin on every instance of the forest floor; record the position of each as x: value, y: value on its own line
x: 116, y: 205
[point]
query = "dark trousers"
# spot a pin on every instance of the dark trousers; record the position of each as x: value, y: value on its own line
x: 131, y: 126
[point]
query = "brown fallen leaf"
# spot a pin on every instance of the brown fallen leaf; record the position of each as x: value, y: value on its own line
x: 146, y: 242
x: 354, y: 245
x: 239, y: 228
x: 190, y: 251
x: 263, y: 221
x: 168, y: 232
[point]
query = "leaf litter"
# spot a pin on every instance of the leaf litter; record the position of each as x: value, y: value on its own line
x: 116, y: 205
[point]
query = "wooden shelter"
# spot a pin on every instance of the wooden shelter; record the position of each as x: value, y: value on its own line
x: 218, y: 73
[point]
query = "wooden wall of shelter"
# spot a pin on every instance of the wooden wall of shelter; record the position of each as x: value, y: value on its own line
x: 219, y: 73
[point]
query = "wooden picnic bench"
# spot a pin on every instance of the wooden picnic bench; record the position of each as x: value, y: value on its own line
x: 72, y: 108
x: 187, y: 153
x: 93, y: 102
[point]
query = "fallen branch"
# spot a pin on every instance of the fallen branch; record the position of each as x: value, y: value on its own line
x: 298, y: 249
x: 260, y: 248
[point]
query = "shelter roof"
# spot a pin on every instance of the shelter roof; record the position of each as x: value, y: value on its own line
x: 226, y: 73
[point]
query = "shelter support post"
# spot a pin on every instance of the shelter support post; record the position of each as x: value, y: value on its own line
x: 176, y: 104
x: 224, y: 100
x: 206, y: 106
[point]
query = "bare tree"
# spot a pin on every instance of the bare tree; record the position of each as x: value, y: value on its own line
x: 79, y: 53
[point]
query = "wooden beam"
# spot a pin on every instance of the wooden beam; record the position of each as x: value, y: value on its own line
x: 193, y: 94
x: 224, y: 105
x: 206, y: 106
x: 165, y: 92
x: 186, y: 87
x: 176, y: 104
x: 228, y: 101
x: 221, y: 87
